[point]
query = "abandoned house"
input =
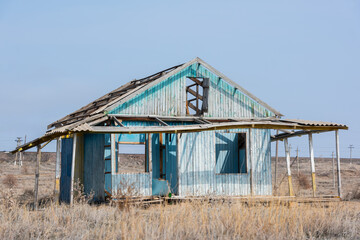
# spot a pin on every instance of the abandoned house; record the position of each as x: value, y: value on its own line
x: 200, y: 134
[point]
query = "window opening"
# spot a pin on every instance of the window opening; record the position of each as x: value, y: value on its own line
x: 132, y: 158
x: 231, y: 156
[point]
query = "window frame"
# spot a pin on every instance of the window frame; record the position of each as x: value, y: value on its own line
x: 238, y: 149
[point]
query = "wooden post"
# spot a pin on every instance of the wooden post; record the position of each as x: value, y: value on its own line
x: 75, y: 139
x: 57, y: 170
x: 338, y: 162
x: 178, y: 162
x: 150, y: 160
x: 113, y: 160
x: 312, y: 161
x: 333, y: 169
x: 276, y: 158
x: 37, y: 174
x: 251, y: 164
x: 287, y: 152
x: 161, y: 155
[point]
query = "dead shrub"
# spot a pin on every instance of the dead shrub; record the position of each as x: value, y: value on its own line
x: 303, y: 181
x: 10, y: 181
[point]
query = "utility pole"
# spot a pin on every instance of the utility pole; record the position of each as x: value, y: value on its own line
x: 18, y: 144
x: 333, y: 169
x: 351, y: 148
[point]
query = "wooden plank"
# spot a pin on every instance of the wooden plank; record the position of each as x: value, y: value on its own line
x: 113, y: 154
x: 206, y: 86
x: 178, y: 155
x: 195, y: 93
x: 161, y: 121
x: 37, y: 174
x: 197, y: 81
x: 192, y: 106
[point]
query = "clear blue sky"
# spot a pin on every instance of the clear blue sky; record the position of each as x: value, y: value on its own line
x: 301, y: 57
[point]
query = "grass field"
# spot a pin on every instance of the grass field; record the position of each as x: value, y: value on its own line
x: 187, y: 220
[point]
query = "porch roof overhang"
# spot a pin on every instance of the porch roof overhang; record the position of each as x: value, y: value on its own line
x: 96, y: 124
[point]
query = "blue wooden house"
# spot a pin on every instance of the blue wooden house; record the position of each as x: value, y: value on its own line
x: 202, y: 134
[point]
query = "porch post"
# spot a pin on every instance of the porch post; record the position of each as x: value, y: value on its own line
x: 178, y: 135
x: 57, y: 170
x: 312, y: 161
x: 113, y: 158
x: 75, y: 139
x: 150, y: 160
x: 338, y: 162
x: 251, y: 163
x: 287, y: 152
x: 37, y: 174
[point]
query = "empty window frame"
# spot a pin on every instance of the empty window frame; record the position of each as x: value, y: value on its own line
x: 197, y: 92
x: 231, y: 156
x: 132, y: 157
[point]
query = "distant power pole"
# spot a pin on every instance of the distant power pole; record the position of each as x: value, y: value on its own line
x: 351, y: 148
x: 17, y: 155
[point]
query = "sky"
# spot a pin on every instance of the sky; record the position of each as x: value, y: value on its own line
x: 300, y: 57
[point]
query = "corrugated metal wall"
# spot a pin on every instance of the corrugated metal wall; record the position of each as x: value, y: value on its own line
x: 198, y: 166
x: 168, y: 98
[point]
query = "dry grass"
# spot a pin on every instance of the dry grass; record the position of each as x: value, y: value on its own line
x: 10, y: 181
x: 189, y: 220
x: 303, y: 181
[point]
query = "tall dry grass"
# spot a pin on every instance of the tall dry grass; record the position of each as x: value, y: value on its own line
x: 189, y: 220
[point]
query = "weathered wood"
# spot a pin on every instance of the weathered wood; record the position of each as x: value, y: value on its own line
x: 276, y: 159
x: 161, y: 121
x: 37, y: 175
x: 312, y: 162
x: 251, y: 163
x: 113, y: 153
x: 197, y: 81
x: 205, y: 104
x: 287, y: 152
x: 178, y: 154
x: 338, y: 162
x: 57, y: 170
x: 161, y: 155
x: 150, y: 159
x: 75, y: 139
x: 195, y: 93
x: 192, y: 106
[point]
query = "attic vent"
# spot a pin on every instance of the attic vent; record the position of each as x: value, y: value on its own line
x: 197, y: 92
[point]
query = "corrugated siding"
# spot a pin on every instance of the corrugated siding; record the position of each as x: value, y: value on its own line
x: 198, y: 163
x: 138, y: 183
x: 168, y: 98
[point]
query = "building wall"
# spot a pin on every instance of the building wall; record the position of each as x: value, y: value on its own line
x: 198, y: 166
x: 168, y: 98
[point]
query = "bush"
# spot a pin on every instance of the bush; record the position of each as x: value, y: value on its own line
x: 303, y: 181
x: 10, y: 181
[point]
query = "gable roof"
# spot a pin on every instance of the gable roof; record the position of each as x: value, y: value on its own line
x: 137, y: 86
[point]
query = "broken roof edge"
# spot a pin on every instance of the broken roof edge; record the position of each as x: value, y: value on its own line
x: 266, y: 123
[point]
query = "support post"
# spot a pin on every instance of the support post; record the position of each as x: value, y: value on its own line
x: 75, y: 139
x: 251, y: 163
x: 178, y: 135
x: 150, y: 160
x: 338, y: 162
x: 113, y: 153
x: 312, y: 161
x: 276, y: 158
x: 57, y: 170
x: 37, y: 174
x: 287, y: 152
x: 333, y: 169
